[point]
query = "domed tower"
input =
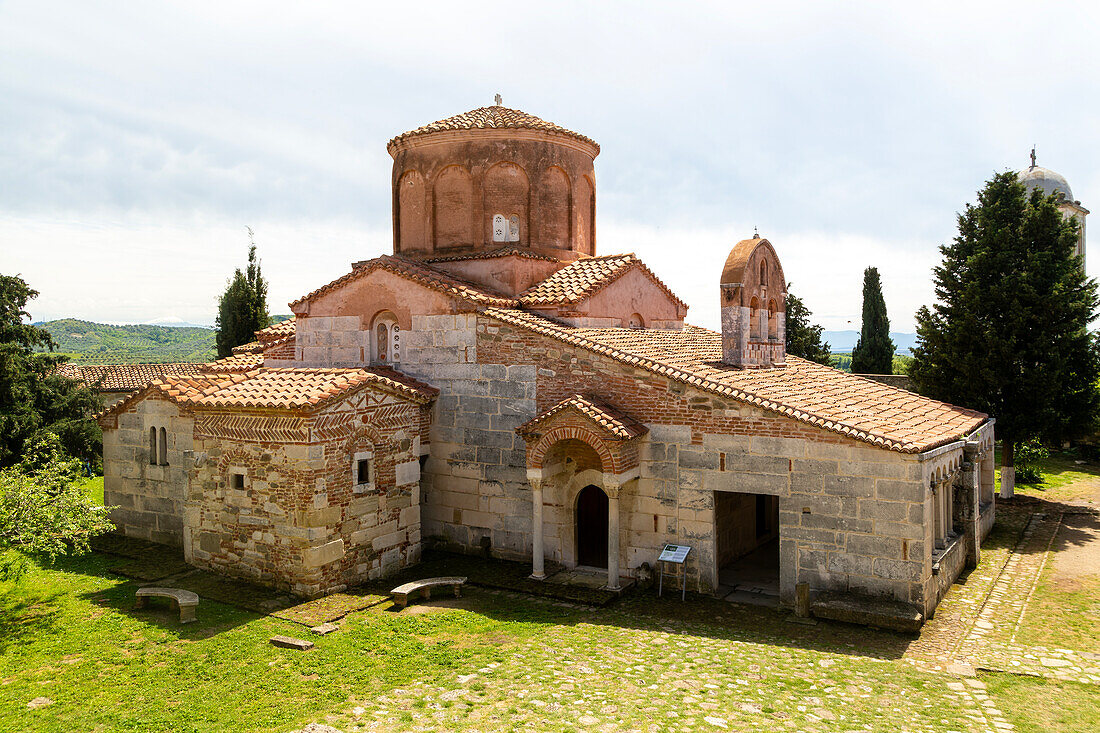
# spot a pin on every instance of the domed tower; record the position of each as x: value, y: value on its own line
x: 490, y: 179
x: 1050, y: 182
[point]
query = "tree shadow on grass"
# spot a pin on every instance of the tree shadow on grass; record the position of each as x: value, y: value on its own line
x: 642, y: 609
x: 26, y: 612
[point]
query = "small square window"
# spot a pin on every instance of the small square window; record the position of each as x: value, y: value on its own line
x: 236, y: 481
x: 362, y: 471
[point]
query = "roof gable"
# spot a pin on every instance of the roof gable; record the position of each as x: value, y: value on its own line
x: 415, y: 272
x: 607, y: 420
x: 582, y: 279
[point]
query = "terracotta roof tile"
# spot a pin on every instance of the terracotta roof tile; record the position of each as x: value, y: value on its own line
x: 506, y: 251
x: 417, y: 272
x: 252, y: 347
x: 242, y: 362
x: 611, y: 420
x: 276, y: 331
x: 490, y: 118
x: 123, y: 377
x: 584, y: 278
x: 280, y: 389
x: 859, y: 408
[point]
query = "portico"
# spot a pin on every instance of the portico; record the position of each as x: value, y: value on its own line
x: 580, y: 454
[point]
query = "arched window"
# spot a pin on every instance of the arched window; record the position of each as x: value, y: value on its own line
x: 754, y: 319
x: 635, y: 321
x: 152, y: 446
x: 773, y: 320
x: 385, y: 339
x: 162, y: 448
x: 764, y: 274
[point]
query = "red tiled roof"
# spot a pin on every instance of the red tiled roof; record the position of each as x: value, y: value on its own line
x: 280, y: 389
x: 276, y: 331
x: 252, y: 347
x: 417, y: 272
x: 506, y: 251
x: 584, y: 278
x: 238, y: 362
x: 843, y: 403
x: 611, y: 420
x: 490, y: 118
x: 123, y: 377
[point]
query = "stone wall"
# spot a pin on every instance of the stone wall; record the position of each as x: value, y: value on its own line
x: 475, y: 482
x: 852, y: 516
x: 301, y: 521
x: 149, y: 497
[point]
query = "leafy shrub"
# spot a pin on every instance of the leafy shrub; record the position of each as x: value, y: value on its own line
x: 1028, y: 455
x: 44, y: 509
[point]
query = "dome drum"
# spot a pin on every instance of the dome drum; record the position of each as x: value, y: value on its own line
x: 469, y: 190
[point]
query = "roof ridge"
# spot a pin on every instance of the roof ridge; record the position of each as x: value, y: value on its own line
x: 496, y: 117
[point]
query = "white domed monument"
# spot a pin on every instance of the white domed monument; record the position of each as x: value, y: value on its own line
x: 1049, y: 182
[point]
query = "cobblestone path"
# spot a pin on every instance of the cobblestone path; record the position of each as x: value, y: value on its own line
x: 976, y: 626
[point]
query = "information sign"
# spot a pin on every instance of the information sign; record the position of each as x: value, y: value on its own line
x: 676, y: 555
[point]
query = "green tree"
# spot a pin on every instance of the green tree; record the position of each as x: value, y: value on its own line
x: 1008, y: 331
x: 43, y: 507
x: 242, y: 308
x: 803, y: 337
x: 874, y: 351
x: 34, y: 398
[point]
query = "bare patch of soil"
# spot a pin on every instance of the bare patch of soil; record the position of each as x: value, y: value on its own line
x: 1076, y: 549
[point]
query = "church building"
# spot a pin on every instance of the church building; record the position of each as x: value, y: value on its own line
x: 498, y: 385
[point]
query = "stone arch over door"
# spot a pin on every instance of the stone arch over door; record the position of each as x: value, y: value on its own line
x: 452, y: 207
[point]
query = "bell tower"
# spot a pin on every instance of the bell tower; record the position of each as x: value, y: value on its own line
x: 753, y: 301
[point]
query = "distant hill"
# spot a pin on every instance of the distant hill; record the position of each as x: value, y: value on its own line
x: 843, y: 341
x: 86, y: 342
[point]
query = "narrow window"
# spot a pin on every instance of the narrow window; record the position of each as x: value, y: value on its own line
x: 754, y: 319
x: 152, y: 446
x: 773, y: 321
x: 636, y: 321
x: 764, y: 274
x: 362, y: 471
x: 236, y: 481
x: 162, y: 448
x: 382, y: 334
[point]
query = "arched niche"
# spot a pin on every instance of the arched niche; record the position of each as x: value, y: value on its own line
x: 584, y: 231
x: 554, y: 207
x: 385, y: 338
x: 453, y: 202
x: 412, y: 213
x: 506, y: 192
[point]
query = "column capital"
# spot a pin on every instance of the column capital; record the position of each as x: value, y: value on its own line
x: 535, y: 477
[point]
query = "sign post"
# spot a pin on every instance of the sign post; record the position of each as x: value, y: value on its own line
x: 674, y: 555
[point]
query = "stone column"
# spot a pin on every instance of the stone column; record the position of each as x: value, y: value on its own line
x: 538, y: 570
x: 969, y: 510
x: 937, y: 515
x: 612, y: 490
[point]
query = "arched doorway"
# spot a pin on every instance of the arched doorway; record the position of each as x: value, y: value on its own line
x: 592, y: 516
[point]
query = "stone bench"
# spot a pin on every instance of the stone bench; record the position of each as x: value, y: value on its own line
x: 185, y: 599
x: 402, y: 592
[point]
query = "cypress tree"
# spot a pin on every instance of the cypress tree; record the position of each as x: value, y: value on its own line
x: 803, y: 337
x: 1008, y: 334
x: 874, y: 351
x: 242, y: 308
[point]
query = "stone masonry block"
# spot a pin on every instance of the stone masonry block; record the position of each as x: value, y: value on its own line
x: 849, y: 486
x: 900, y: 490
x: 875, y: 546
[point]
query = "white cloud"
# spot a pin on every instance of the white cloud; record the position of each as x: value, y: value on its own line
x: 139, y: 135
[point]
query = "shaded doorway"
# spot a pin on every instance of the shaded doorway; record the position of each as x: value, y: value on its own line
x: 746, y: 533
x: 592, y: 518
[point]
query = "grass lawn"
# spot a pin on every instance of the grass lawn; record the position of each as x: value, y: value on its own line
x: 490, y: 661
x: 94, y: 487
x: 1063, y: 479
x: 1042, y: 706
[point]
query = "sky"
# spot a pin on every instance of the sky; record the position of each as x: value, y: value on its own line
x: 139, y: 140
